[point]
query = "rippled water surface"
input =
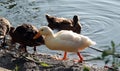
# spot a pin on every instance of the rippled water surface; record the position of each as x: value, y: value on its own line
x: 100, y: 19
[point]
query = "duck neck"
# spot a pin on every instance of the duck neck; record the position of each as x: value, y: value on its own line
x: 49, y: 35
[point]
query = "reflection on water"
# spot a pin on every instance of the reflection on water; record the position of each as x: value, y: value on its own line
x: 100, y: 19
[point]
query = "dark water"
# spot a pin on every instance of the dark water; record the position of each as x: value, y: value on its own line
x: 100, y: 19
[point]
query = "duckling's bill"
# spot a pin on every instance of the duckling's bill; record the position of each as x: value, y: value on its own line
x: 37, y: 36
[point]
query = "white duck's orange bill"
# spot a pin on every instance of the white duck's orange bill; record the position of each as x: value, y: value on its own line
x: 37, y: 36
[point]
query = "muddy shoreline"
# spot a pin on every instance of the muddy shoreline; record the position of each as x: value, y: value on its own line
x: 40, y: 62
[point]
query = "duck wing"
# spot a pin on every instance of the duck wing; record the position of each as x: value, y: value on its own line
x: 68, y: 36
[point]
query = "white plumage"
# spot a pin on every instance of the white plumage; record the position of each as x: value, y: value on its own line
x: 64, y: 40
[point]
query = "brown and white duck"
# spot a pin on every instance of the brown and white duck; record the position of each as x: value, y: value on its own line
x: 64, y: 23
x: 4, y: 29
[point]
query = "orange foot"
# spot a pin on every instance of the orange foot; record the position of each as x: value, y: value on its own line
x: 81, y: 58
x: 64, y: 58
x: 58, y: 58
x: 79, y: 61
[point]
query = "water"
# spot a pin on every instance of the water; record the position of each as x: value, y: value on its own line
x: 99, y: 18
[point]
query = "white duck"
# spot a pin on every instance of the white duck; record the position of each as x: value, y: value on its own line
x: 64, y: 40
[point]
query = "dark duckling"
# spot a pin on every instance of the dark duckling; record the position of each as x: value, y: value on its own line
x: 64, y: 24
x: 24, y: 34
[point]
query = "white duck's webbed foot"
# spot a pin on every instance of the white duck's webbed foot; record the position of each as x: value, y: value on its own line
x: 64, y: 57
x: 81, y: 58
